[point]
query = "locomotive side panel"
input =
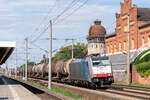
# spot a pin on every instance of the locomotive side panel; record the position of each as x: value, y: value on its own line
x: 79, y: 71
x: 76, y: 71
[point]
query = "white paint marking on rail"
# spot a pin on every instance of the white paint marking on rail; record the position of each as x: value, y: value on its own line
x: 13, y: 92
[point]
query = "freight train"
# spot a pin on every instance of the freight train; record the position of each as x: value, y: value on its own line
x: 90, y: 71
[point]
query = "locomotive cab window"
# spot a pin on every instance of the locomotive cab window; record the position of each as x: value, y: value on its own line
x: 96, y: 63
x: 101, y: 63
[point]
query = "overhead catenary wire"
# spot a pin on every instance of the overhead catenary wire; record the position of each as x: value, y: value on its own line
x: 73, y: 11
x: 55, y: 19
x: 73, y: 3
x: 50, y: 10
x: 47, y: 26
x: 66, y: 9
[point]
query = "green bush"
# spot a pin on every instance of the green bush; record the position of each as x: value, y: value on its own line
x: 145, y: 59
x: 143, y: 69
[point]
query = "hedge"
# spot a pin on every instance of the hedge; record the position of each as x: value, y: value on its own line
x: 145, y: 59
x: 143, y: 69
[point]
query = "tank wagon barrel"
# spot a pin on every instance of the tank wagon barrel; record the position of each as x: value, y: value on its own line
x: 40, y: 68
x: 46, y: 68
x: 67, y: 66
x: 59, y: 68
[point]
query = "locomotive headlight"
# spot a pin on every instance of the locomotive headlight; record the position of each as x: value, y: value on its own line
x: 109, y: 74
x: 94, y: 75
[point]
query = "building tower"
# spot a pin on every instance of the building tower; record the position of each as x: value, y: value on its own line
x: 96, y: 39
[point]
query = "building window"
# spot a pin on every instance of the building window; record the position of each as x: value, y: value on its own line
x: 96, y: 45
x: 119, y: 46
x: 143, y: 42
x: 132, y: 45
x: 124, y: 45
x: 115, y: 48
x: 148, y: 41
x: 108, y: 49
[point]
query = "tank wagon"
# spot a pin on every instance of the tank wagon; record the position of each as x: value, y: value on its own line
x: 45, y: 70
x: 29, y: 70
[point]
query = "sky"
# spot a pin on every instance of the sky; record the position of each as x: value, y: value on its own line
x: 29, y: 18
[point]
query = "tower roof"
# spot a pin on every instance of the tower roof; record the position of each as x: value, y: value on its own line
x: 97, y: 30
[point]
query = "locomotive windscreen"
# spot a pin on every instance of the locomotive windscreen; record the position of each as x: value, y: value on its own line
x: 100, y: 58
x: 97, y: 61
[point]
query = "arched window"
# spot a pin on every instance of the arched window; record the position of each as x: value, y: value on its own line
x: 132, y: 45
x: 96, y: 45
x: 124, y: 45
x: 143, y: 42
x: 108, y: 49
x: 111, y: 48
x: 148, y: 41
x: 115, y: 48
x: 119, y: 46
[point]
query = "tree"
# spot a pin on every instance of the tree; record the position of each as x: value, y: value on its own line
x: 44, y: 60
x: 30, y: 63
x: 80, y: 50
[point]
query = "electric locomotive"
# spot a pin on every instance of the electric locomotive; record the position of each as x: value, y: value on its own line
x: 92, y: 71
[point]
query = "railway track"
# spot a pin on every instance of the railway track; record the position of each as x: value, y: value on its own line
x: 130, y: 87
x: 139, y: 93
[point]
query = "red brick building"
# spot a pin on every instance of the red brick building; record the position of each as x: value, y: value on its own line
x: 117, y: 42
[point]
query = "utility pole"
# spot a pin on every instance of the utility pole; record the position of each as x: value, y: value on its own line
x: 50, y: 55
x: 72, y: 48
x: 128, y: 53
x: 26, y: 65
x: 16, y: 64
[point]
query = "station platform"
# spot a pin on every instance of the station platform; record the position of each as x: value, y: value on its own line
x: 11, y: 90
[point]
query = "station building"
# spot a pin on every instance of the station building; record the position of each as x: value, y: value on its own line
x: 117, y: 42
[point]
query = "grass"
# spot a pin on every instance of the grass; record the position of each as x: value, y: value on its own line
x: 140, y: 85
x: 132, y: 84
x: 56, y: 89
x: 67, y: 93
x: 146, y: 58
x: 143, y: 69
x: 142, y: 65
x: 120, y: 83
